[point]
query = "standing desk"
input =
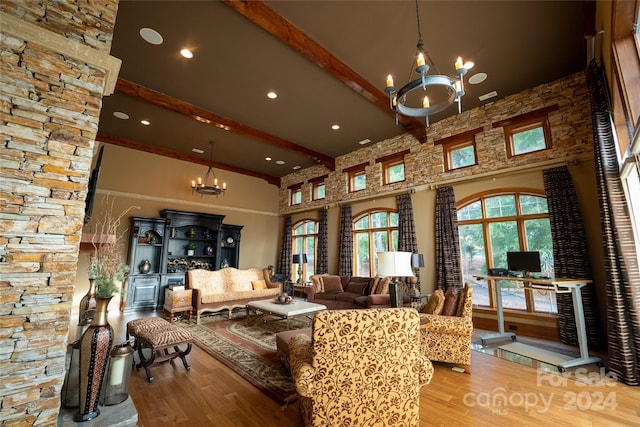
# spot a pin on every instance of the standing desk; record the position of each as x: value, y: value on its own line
x: 559, y: 286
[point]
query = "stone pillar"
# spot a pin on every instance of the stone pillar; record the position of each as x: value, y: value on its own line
x: 55, y: 68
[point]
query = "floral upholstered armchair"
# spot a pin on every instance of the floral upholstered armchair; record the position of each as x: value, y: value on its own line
x: 360, y: 367
x: 447, y: 337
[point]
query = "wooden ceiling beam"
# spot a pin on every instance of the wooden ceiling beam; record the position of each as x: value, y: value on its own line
x: 265, y: 17
x: 204, y: 116
x: 135, y: 145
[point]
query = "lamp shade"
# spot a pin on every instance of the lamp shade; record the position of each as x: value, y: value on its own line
x: 417, y: 260
x: 300, y: 259
x: 394, y: 264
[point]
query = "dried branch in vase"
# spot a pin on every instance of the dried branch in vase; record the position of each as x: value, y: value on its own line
x: 106, y: 263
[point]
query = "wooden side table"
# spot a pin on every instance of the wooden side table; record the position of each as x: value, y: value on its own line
x: 177, y: 302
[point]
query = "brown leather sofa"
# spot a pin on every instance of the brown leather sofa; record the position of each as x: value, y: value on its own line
x: 348, y: 292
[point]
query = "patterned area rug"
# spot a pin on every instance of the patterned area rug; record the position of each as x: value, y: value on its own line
x: 249, y: 351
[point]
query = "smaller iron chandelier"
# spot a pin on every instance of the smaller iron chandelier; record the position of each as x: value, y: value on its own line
x: 454, y: 88
x: 202, y: 187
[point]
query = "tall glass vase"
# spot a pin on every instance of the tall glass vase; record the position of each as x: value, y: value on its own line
x: 95, y: 346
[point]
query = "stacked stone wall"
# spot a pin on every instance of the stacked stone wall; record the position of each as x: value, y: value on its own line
x: 571, y: 135
x: 49, y: 111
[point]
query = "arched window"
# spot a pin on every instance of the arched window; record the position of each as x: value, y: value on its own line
x: 304, y: 241
x: 491, y: 225
x: 373, y: 231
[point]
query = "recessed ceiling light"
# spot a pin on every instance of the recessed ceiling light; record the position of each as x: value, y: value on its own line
x: 268, y: 159
x: 477, y: 78
x: 335, y: 126
x: 280, y: 162
x: 151, y: 36
x: 221, y: 126
x: 489, y: 95
x: 121, y: 115
x: 145, y: 122
x: 295, y: 168
x: 272, y: 95
x: 364, y: 141
x: 197, y: 150
x: 186, y: 53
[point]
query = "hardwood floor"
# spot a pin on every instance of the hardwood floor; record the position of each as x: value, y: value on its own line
x: 497, y: 393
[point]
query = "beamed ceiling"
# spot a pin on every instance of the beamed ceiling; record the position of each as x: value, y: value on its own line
x: 326, y: 60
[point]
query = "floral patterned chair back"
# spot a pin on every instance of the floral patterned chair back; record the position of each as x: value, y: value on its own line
x: 360, y: 368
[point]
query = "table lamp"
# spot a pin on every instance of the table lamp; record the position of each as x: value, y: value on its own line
x: 395, y: 265
x: 300, y: 259
x: 417, y: 261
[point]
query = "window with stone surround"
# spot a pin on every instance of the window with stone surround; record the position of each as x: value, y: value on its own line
x: 392, y: 167
x: 527, y: 132
x: 357, y: 177
x: 459, y: 151
x: 295, y: 197
x: 303, y: 241
x: 373, y: 231
x: 318, y: 187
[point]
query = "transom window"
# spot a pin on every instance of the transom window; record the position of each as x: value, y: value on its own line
x: 357, y: 177
x: 529, y: 137
x: 393, y: 171
x: 459, y: 150
x: 318, y: 187
x: 373, y: 231
x: 296, y: 196
x: 493, y: 224
x: 304, y: 241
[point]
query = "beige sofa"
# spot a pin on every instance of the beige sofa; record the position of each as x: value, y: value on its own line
x: 229, y: 288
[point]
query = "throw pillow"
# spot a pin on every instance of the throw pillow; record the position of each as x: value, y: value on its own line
x: 356, y: 287
x: 464, y: 292
x: 259, y: 284
x: 435, y: 304
x: 332, y: 283
x: 374, y: 285
x: 383, y: 285
x: 451, y: 301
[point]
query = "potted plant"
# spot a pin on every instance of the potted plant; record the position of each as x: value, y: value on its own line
x: 190, y: 247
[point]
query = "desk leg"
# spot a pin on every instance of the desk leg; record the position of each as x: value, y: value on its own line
x: 501, y: 335
x: 578, y: 313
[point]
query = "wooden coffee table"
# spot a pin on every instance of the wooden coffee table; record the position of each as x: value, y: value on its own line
x: 283, y: 311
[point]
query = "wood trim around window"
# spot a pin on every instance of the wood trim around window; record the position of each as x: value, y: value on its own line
x: 394, y: 156
x: 356, y: 168
x: 519, y: 119
x: 523, y: 126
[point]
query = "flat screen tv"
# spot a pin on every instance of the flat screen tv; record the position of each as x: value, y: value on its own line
x: 525, y: 262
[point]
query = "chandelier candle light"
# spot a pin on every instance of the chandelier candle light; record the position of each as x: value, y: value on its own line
x: 454, y: 88
x: 202, y: 187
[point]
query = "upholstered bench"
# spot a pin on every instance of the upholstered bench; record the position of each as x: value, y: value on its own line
x: 282, y: 344
x: 160, y: 337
